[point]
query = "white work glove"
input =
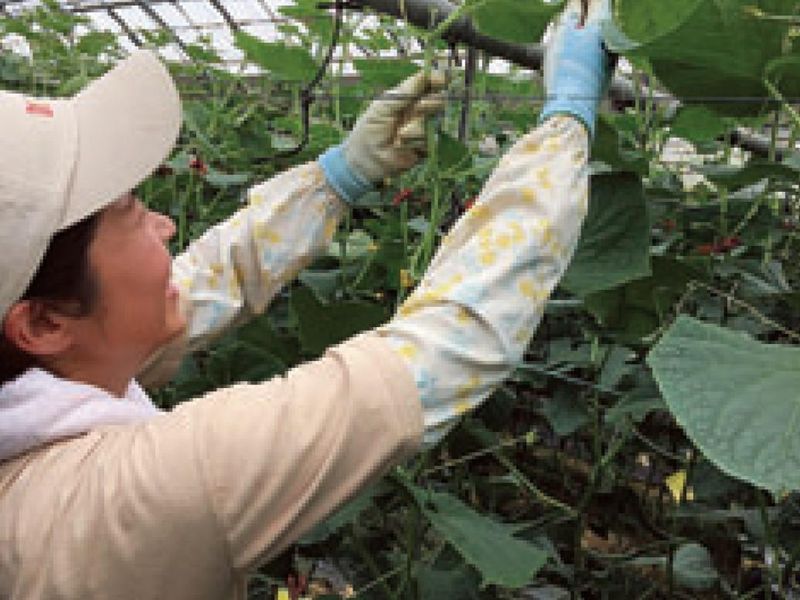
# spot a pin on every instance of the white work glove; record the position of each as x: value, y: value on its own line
x: 388, y: 138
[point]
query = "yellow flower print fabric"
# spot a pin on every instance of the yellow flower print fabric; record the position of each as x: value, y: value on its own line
x: 236, y: 268
x: 465, y: 327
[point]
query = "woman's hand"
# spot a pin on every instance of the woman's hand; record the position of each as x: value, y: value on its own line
x: 577, y: 67
x: 388, y: 138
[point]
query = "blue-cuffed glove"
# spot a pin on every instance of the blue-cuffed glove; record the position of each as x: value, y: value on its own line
x: 577, y: 66
x: 387, y: 139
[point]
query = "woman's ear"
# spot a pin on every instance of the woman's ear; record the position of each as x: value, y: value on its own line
x: 37, y: 330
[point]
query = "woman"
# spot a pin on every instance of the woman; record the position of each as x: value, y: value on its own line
x: 103, y: 496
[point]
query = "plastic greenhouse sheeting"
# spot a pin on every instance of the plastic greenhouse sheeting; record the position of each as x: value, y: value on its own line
x: 188, y: 21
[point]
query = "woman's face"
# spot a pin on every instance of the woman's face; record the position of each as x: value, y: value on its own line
x: 137, y: 309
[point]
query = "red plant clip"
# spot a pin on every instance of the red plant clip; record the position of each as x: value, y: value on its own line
x: 198, y: 165
x: 402, y: 196
x: 297, y: 585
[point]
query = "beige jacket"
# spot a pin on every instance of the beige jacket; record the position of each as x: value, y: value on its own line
x: 182, y: 505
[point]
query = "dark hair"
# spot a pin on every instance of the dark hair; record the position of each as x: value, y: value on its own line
x: 62, y: 283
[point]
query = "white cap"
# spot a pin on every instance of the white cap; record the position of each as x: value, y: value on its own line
x: 61, y: 160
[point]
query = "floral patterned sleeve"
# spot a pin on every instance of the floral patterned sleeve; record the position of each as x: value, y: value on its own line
x: 465, y: 327
x: 236, y: 268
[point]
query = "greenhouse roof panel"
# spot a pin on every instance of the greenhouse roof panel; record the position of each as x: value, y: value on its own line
x: 211, y: 25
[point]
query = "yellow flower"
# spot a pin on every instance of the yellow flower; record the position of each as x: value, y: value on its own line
x: 462, y: 407
x: 480, y: 213
x: 522, y: 335
x: 676, y: 483
x: 556, y: 248
x: 408, y: 351
x: 262, y: 231
x: 543, y: 177
x: 543, y: 228
x: 503, y: 241
x: 234, y: 289
x: 532, y: 289
x: 529, y: 195
x: 487, y: 258
x: 257, y: 199
x: 552, y: 146
x: 406, y: 280
x: 532, y: 145
x: 464, y: 392
x: 214, y: 275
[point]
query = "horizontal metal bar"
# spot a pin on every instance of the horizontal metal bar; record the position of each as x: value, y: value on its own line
x: 427, y: 14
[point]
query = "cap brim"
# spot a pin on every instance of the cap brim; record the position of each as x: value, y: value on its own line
x: 127, y: 121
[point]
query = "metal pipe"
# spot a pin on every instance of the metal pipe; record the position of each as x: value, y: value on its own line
x: 427, y: 14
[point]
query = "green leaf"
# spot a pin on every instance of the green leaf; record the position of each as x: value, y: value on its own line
x: 382, y: 73
x: 457, y: 582
x: 224, y: 180
x: 736, y: 398
x: 202, y: 54
x: 344, y: 516
x: 607, y: 147
x: 693, y: 567
x: 637, y: 308
x: 734, y: 178
x: 288, y: 62
x: 519, y: 21
x: 451, y: 152
x: 614, y: 246
x: 566, y: 411
x: 94, y: 43
x: 359, y: 244
x: 323, y: 325
x: 698, y: 124
x: 484, y: 543
x: 317, y: 20
x: 636, y: 406
x: 710, y: 51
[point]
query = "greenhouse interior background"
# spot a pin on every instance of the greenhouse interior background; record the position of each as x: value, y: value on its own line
x: 577, y: 462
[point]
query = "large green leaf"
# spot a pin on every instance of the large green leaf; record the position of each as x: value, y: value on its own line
x: 521, y: 21
x: 738, y: 400
x: 733, y: 178
x: 378, y: 72
x: 713, y: 51
x: 614, y: 246
x: 637, y: 308
x: 322, y: 325
x: 289, y: 62
x: 484, y: 543
x: 698, y: 124
x: 456, y: 582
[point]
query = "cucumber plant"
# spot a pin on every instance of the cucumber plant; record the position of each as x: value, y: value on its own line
x: 645, y: 446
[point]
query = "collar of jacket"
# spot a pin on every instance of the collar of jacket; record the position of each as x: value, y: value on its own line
x: 38, y: 408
